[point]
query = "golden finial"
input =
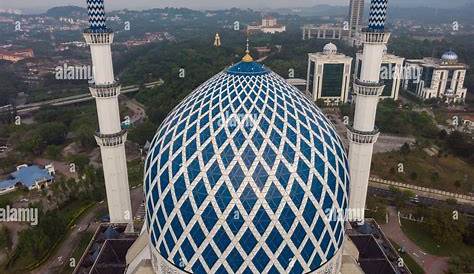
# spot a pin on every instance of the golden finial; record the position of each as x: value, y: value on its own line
x: 247, y: 58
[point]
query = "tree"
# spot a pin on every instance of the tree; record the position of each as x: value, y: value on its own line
x: 463, y: 263
x: 53, y: 152
x: 142, y: 133
x: 84, y: 136
x: 405, y: 149
x: 444, y: 228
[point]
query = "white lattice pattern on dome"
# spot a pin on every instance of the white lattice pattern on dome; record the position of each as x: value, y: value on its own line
x: 246, y: 197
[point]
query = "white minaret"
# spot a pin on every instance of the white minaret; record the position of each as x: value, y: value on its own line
x: 367, y: 90
x: 217, y: 40
x: 111, y: 137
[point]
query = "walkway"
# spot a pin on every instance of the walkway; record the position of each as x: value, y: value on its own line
x: 431, y: 264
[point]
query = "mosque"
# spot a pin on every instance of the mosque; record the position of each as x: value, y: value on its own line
x: 245, y: 174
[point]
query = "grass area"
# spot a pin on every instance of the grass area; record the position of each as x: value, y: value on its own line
x: 414, y: 267
x: 10, y: 197
x: 378, y: 215
x: 419, y: 234
x: 86, y: 237
x: 69, y: 214
x: 445, y: 173
x: 376, y: 209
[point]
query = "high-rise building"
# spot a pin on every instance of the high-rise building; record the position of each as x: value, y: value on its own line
x: 437, y: 78
x: 391, y: 74
x: 110, y: 137
x: 329, y: 74
x: 367, y: 90
x: 356, y: 16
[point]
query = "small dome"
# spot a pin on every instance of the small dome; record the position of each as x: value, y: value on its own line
x: 449, y: 56
x: 330, y: 48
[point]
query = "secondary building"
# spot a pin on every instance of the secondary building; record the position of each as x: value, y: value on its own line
x: 329, y: 74
x: 391, y: 73
x: 31, y: 177
x: 437, y: 78
x: 269, y: 25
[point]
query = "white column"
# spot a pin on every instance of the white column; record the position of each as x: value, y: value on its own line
x: 111, y: 138
x: 363, y: 133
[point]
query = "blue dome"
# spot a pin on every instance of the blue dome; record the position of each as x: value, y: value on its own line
x: 240, y: 177
x: 449, y: 56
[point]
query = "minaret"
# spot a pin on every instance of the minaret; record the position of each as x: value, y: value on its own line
x: 217, y: 40
x: 111, y: 137
x: 367, y: 90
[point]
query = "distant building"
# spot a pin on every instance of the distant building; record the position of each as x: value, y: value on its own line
x: 31, y: 177
x: 326, y: 32
x: 329, y: 75
x: 269, y: 25
x: 390, y: 74
x: 437, y: 78
x: 356, y: 16
x: 16, y: 55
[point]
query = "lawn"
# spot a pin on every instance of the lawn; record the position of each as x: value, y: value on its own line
x: 414, y: 267
x: 444, y: 173
x: 418, y: 234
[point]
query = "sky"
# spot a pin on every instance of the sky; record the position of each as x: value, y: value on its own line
x: 194, y: 4
x: 42, y: 5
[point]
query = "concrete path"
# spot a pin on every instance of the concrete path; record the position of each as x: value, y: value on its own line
x: 431, y: 264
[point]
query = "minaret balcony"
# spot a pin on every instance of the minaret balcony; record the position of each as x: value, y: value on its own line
x: 362, y: 137
x: 105, y: 91
x: 375, y: 37
x: 367, y: 89
x: 111, y: 140
x: 99, y: 38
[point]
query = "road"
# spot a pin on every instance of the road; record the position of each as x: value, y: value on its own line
x: 21, y: 109
x: 87, y: 222
x: 431, y: 264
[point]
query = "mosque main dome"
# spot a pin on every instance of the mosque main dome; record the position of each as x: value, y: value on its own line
x: 240, y: 178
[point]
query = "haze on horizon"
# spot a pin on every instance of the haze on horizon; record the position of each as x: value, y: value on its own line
x: 43, y: 5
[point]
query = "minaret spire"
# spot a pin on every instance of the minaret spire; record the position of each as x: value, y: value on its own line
x: 110, y: 137
x: 367, y: 90
x: 247, y: 58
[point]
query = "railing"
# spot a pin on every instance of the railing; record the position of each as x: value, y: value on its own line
x: 361, y: 137
x: 111, y: 140
x: 105, y: 91
x: 367, y: 89
x: 371, y: 37
x: 99, y: 38
x: 423, y: 189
